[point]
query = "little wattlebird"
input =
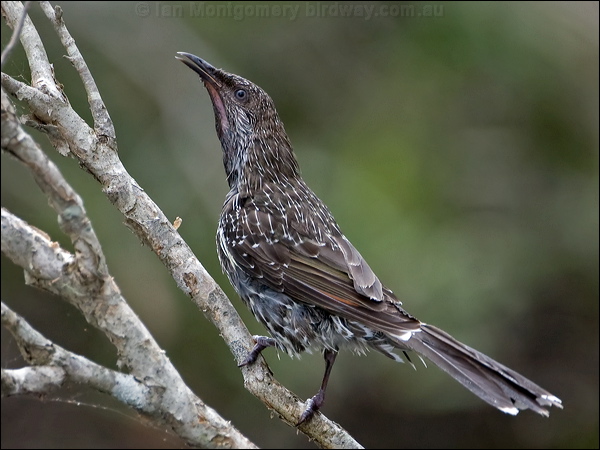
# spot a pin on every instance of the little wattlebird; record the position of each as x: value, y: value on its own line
x: 288, y: 260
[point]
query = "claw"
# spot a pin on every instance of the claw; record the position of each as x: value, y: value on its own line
x: 313, y: 404
x: 261, y: 342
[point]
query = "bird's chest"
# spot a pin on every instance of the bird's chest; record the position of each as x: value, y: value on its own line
x: 246, y: 230
x: 251, y: 221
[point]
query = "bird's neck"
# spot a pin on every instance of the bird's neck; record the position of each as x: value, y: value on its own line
x: 266, y: 159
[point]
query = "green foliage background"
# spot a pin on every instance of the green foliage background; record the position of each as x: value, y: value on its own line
x: 459, y: 153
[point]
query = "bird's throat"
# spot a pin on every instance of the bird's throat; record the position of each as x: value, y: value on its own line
x: 219, y: 108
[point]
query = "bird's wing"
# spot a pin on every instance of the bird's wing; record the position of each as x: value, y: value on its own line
x: 330, y: 273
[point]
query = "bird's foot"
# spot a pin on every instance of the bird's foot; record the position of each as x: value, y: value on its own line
x: 261, y: 342
x: 313, y: 404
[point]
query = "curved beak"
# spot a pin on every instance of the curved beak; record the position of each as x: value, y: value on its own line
x: 210, y: 77
x: 201, y: 67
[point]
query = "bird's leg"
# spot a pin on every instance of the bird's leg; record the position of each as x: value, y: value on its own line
x: 315, y: 403
x: 262, y: 342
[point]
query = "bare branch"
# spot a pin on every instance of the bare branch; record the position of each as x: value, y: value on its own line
x: 99, y: 156
x: 38, y: 380
x: 53, y: 366
x: 42, y: 73
x: 83, y: 280
x: 65, y: 128
x: 102, y: 122
x: 72, y: 216
x: 166, y: 398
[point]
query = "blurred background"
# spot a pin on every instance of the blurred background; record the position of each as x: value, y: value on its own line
x: 455, y: 143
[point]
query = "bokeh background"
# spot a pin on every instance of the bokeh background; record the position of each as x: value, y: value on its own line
x: 457, y: 146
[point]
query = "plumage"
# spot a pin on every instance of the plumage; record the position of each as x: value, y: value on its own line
x: 287, y: 258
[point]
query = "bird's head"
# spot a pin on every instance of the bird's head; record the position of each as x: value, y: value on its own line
x: 247, y: 123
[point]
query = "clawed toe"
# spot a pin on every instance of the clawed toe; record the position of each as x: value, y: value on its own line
x: 261, y: 342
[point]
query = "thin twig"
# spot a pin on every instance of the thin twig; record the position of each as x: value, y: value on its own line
x: 15, y: 36
x: 102, y: 121
x: 42, y: 72
x: 52, y: 366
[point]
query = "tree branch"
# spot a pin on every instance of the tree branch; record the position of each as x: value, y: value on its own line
x: 165, y: 397
x: 96, y: 150
x: 102, y: 122
x: 42, y: 74
x: 53, y: 366
x: 38, y: 380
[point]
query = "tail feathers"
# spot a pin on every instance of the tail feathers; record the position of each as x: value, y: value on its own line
x: 491, y: 381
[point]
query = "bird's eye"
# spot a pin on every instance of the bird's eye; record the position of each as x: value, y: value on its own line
x: 241, y: 94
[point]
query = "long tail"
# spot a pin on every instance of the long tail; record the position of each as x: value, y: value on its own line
x: 488, y: 379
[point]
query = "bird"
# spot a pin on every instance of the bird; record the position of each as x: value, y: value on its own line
x: 288, y: 260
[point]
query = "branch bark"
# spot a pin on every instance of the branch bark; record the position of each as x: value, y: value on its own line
x: 83, y: 278
x: 153, y: 386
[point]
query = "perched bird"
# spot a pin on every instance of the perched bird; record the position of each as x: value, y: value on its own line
x: 287, y: 258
